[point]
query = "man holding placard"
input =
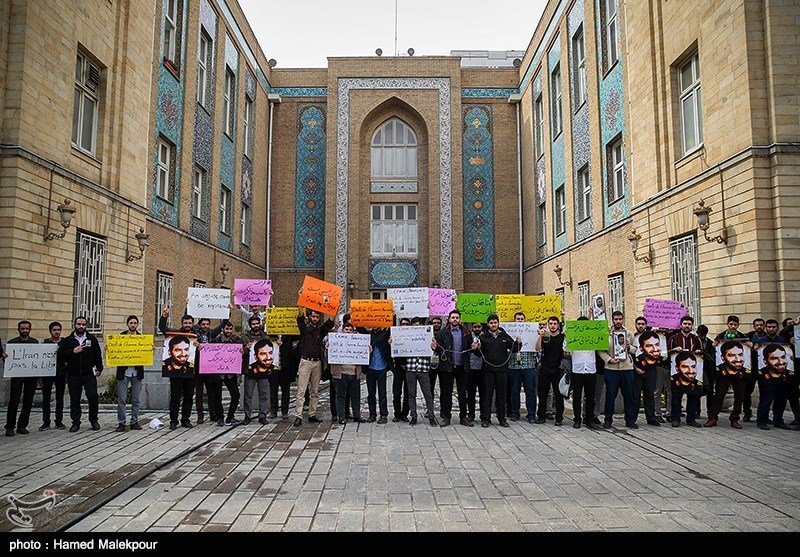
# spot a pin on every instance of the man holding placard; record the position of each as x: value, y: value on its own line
x: 417, y: 368
x: 347, y: 377
x: 522, y: 375
x: 84, y: 361
x: 133, y: 375
x: 551, y: 345
x: 309, y: 371
x: 230, y: 380
x: 619, y: 375
x: 22, y: 388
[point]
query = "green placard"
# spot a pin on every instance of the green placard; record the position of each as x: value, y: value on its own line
x: 475, y: 307
x: 586, y: 335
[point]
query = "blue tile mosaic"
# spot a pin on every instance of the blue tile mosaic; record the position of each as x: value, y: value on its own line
x: 247, y: 199
x: 301, y: 91
x: 228, y: 145
x: 478, y: 176
x: 393, y: 187
x: 393, y: 273
x: 249, y: 84
x: 580, y: 129
x: 248, y: 52
x: 557, y: 165
x: 552, y: 27
x: 486, y: 92
x: 309, y: 232
x: 541, y: 196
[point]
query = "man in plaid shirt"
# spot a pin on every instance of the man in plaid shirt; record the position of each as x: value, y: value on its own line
x: 417, y: 371
x: 522, y: 374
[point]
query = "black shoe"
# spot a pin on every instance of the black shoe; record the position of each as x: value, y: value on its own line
x: 559, y: 422
x: 513, y: 418
x: 632, y: 426
x: 95, y: 425
x: 677, y: 423
x: 505, y: 423
x: 795, y: 422
x: 120, y: 428
x: 74, y: 427
x: 314, y: 420
x: 263, y: 420
x: 172, y: 426
x: 592, y: 425
x: 531, y: 420
x: 403, y: 418
x: 765, y: 427
x: 10, y: 433
x: 445, y: 422
x: 694, y: 423
x: 540, y: 421
x: 187, y: 424
x: 372, y: 418
x: 576, y: 424
x: 606, y: 425
x: 782, y: 426
x: 298, y: 422
x: 200, y: 419
x: 382, y: 420
x: 272, y: 415
x: 396, y: 419
x: 246, y: 420
x: 232, y: 421
x: 769, y: 421
x: 412, y: 421
x: 342, y: 421
x: 60, y: 426
x: 747, y: 417
x: 484, y: 423
x: 44, y: 427
x: 433, y: 421
x: 136, y: 426
x: 654, y: 423
x: 22, y: 431
x: 661, y: 420
x: 596, y: 421
x: 220, y: 423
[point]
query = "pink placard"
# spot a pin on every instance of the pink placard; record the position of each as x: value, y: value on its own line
x: 252, y: 291
x: 221, y: 358
x: 441, y: 301
x: 665, y: 314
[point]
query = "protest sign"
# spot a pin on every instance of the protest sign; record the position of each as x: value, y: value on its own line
x: 506, y: 305
x: 540, y: 308
x: 177, y: 357
x: 30, y: 360
x: 528, y: 332
x: 619, y: 338
x: 409, y: 302
x: 371, y: 313
x: 662, y: 342
x: 475, y: 307
x: 586, y: 335
x: 779, y: 361
x: 348, y: 348
x: 663, y: 314
x: 213, y: 303
x: 281, y: 321
x: 220, y: 358
x: 412, y: 341
x: 441, y: 301
x: 129, y: 350
x: 252, y: 291
x: 598, y: 307
x: 320, y: 296
x: 690, y: 367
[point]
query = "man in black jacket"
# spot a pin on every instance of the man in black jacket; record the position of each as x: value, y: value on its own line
x: 133, y: 375
x: 496, y: 347
x: 84, y: 362
x: 309, y: 372
x: 21, y: 387
x: 453, y: 343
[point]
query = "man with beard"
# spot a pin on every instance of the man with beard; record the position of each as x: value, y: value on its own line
x: 496, y: 348
x: 773, y: 386
x: 230, y: 380
x: 618, y: 375
x: 684, y: 381
x: 21, y: 387
x: 133, y: 375
x: 646, y: 368
x: 732, y: 372
x: 452, y: 346
x: 753, y: 336
x: 59, y: 380
x: 84, y: 363
x: 256, y: 376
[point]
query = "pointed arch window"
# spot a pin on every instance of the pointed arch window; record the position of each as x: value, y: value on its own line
x: 394, y: 151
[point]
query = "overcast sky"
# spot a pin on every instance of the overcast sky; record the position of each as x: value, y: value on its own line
x: 303, y: 33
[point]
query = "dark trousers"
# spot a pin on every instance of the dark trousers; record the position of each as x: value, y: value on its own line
x: 76, y: 384
x: 22, y: 388
x: 432, y: 375
x: 522, y: 379
x: 180, y: 389
x: 495, y: 381
x: 348, y: 388
x: 204, y: 382
x: 232, y: 384
x: 283, y: 382
x: 720, y: 390
x: 458, y: 377
x: 793, y: 390
x: 645, y: 384
x: 474, y: 386
x: 376, y: 380
x: 60, y: 381
x: 692, y: 407
x: 747, y: 401
x: 619, y: 380
x: 772, y: 392
x: 548, y: 379
x: 399, y: 393
x: 583, y: 384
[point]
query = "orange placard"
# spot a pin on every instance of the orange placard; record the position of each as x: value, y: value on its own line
x: 371, y: 313
x: 320, y: 296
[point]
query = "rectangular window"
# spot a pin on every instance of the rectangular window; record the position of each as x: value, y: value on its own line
x: 171, y: 30
x: 198, y: 283
x: 611, y: 35
x: 245, y: 228
x: 90, y: 270
x: 555, y: 95
x: 224, y: 211
x: 616, y: 180
x: 164, y: 284
x: 685, y: 274
x: 541, y: 221
x: 198, y: 187
x: 228, y: 100
x: 690, y: 105
x: 248, y: 124
x: 393, y: 230
x: 616, y: 293
x: 561, y: 211
x: 85, y: 107
x: 164, y: 171
x: 583, y: 299
x: 204, y: 53
x: 538, y: 116
x: 584, y: 194
x: 579, y: 65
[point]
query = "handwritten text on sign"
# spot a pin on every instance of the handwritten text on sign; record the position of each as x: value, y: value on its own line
x: 475, y: 307
x: 540, y: 308
x: 129, y: 350
x: 528, y: 332
x: 409, y: 302
x: 252, y: 291
x: 31, y: 360
x: 411, y: 341
x: 371, y: 313
x: 441, y: 301
x: 214, y: 303
x: 221, y: 358
x: 320, y: 296
x: 348, y: 348
x: 282, y: 321
x: 664, y: 314
x: 587, y: 335
x: 506, y: 305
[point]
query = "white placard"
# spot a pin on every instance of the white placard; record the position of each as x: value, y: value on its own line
x: 528, y: 332
x: 30, y: 360
x: 348, y: 348
x: 409, y: 302
x: 412, y: 341
x: 213, y: 303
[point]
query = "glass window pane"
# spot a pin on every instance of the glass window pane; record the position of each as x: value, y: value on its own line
x: 400, y: 161
x: 412, y: 238
x: 79, y: 70
x: 375, y: 240
x: 376, y: 161
x: 699, y: 112
x: 400, y: 212
x: 388, y: 162
x: 686, y: 77
x: 399, y: 230
x: 388, y: 238
x: 387, y: 212
x: 377, y: 140
x: 689, y: 137
x: 376, y: 212
x: 400, y: 132
x: 88, y: 123
x: 412, y: 212
x: 412, y: 140
x: 76, y: 114
x: 411, y: 167
x: 389, y: 137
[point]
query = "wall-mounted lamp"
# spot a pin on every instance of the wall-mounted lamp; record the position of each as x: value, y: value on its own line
x: 634, y: 238
x: 224, y: 269
x: 141, y: 240
x: 351, y: 286
x: 701, y: 212
x: 65, y: 212
x: 558, y: 270
x: 436, y: 284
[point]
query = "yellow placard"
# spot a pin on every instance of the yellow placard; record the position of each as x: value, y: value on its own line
x: 129, y: 350
x: 281, y: 321
x: 540, y: 308
x: 506, y: 305
x: 371, y: 313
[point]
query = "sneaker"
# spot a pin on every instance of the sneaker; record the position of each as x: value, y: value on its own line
x: 232, y: 421
x: 23, y: 431
x: 445, y: 422
x: 314, y: 420
x: 60, y: 426
x: 765, y: 427
x: 342, y: 421
x: 632, y: 426
x: 694, y: 423
x: 187, y: 424
x: 372, y: 418
x: 710, y: 423
x: 120, y: 428
x: 677, y: 423
x: 95, y: 425
x: 136, y: 426
x: 550, y: 416
x: 172, y: 426
x: 44, y: 427
x: 246, y: 420
x: 298, y: 422
x: 736, y: 425
x: 559, y: 422
x: 531, y: 420
x: 484, y: 423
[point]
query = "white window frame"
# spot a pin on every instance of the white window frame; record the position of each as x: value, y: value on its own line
x: 579, y: 53
x: 561, y: 210
x: 557, y: 116
x: 383, y: 228
x: 87, y: 86
x: 228, y: 101
x: 583, y: 299
x: 164, y: 170
x: 617, y: 167
x: 386, y: 154
x: 170, y: 38
x: 541, y: 217
x: 611, y: 9
x: 198, y: 188
x: 248, y: 123
x: 245, y: 230
x: 538, y: 115
x: 204, y: 53
x: 89, y: 284
x: 584, y: 186
x: 225, y: 198
x: 165, y: 283
x: 616, y: 293
x: 685, y: 274
x: 690, y: 96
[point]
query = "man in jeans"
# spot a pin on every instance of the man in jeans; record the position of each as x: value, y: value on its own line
x: 309, y: 371
x: 619, y: 375
x: 132, y: 375
x: 522, y: 374
x: 380, y: 360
